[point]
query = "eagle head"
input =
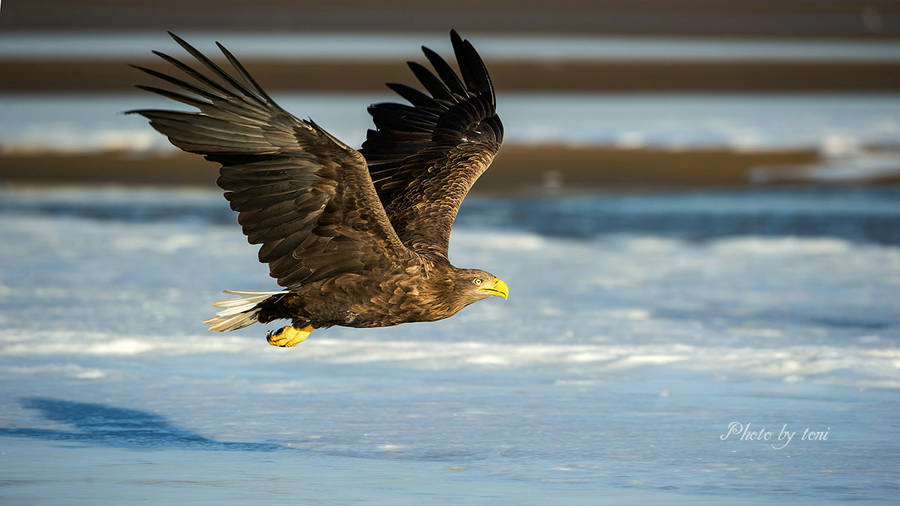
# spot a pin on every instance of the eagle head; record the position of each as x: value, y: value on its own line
x: 472, y: 285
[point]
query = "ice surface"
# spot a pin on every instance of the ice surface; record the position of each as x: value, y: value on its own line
x: 638, y: 328
x: 844, y: 128
x: 836, y: 124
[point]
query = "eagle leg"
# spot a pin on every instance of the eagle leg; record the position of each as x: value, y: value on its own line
x: 288, y: 336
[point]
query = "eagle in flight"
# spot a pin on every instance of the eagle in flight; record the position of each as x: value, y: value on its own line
x: 355, y: 238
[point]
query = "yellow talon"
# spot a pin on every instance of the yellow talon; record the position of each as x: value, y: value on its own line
x: 288, y: 336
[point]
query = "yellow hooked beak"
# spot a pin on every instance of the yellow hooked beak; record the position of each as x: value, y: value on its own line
x: 495, y: 287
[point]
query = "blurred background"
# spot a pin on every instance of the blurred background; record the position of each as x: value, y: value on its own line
x: 697, y: 209
x: 593, y: 94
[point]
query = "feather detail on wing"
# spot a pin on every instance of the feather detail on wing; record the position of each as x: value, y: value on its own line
x: 424, y: 157
x: 303, y: 195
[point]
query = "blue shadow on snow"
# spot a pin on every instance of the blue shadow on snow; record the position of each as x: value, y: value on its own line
x: 100, y: 424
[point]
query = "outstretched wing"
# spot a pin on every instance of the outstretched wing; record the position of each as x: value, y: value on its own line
x: 424, y: 157
x: 301, y: 193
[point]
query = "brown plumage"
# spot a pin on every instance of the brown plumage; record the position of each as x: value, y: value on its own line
x: 357, y: 238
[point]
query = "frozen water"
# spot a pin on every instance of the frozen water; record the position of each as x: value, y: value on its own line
x: 836, y: 124
x: 639, y: 327
x: 843, y: 128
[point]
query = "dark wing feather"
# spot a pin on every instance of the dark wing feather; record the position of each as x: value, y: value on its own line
x: 424, y: 157
x: 303, y: 195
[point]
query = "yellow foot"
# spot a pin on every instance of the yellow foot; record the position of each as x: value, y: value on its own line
x: 288, y: 336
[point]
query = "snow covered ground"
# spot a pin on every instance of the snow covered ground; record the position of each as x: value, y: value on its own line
x: 836, y: 124
x: 856, y: 134
x: 638, y: 329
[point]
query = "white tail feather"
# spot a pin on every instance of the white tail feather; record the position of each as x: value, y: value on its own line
x: 239, y: 312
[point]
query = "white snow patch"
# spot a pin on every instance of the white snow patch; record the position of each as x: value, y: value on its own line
x: 781, y: 246
x: 69, y: 370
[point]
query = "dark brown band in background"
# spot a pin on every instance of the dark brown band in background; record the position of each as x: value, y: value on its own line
x: 508, y: 76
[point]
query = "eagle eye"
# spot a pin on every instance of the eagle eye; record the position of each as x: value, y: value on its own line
x: 477, y: 281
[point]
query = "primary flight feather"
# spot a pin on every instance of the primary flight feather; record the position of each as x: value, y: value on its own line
x: 356, y: 238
